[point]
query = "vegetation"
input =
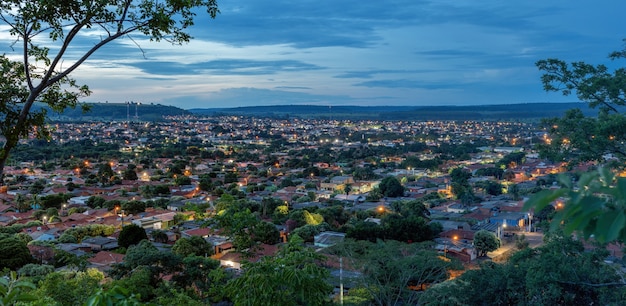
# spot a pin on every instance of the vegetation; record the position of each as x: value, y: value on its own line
x: 131, y: 234
x: 390, y: 245
x: 25, y: 83
x: 575, y: 137
x: 292, y: 277
x: 559, y: 273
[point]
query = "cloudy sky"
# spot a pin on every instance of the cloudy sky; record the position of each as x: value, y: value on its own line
x: 355, y: 52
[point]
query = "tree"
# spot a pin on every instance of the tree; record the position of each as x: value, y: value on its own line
x: 130, y: 174
x: 485, y: 241
x: 514, y: 191
x: 390, y: 269
x: 347, y: 188
x: 265, y: 232
x: 95, y: 201
x: 13, y: 252
x: 491, y: 187
x: 596, y: 206
x: 21, y: 204
x: 14, y: 290
x: 237, y: 225
x: 192, y: 246
x: 159, y: 236
x: 521, y: 242
x: 146, y: 256
x: 204, y: 275
x: 70, y: 287
x: 105, y: 173
x: 460, y: 176
x: 113, y: 296
x: 561, y: 272
x: 292, y: 277
x: 131, y: 234
x: 58, y: 24
x: 182, y: 180
x: 407, y: 229
x: 133, y: 207
x: 391, y: 187
x: 577, y: 138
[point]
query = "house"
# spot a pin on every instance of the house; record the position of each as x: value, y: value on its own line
x: 480, y: 215
x: 458, y: 248
x: 78, y: 249
x: 148, y: 223
x: 4, y: 207
x: 234, y: 259
x: 200, y: 232
x: 337, y: 182
x: 511, y: 220
x: 81, y: 200
x: 176, y: 206
x: 101, y: 243
x: 454, y: 225
x: 328, y: 238
x: 167, y: 219
x: 104, y: 260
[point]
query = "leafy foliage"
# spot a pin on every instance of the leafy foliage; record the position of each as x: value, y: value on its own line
x: 57, y: 25
x: 113, y: 296
x: 560, y: 272
x: 147, y: 256
x: 70, y: 288
x: 13, y: 252
x: 292, y: 277
x: 575, y: 136
x: 391, y: 187
x: 131, y: 234
x: 595, y: 205
x: 192, y: 246
x: 485, y: 241
x: 391, y: 268
x: 14, y: 290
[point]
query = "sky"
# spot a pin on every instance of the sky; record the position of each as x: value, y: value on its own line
x: 355, y: 52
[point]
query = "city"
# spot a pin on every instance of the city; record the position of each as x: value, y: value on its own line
x: 324, y: 181
x: 312, y: 153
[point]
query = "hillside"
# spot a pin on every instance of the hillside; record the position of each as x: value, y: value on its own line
x: 526, y: 111
x: 157, y: 112
x: 119, y: 112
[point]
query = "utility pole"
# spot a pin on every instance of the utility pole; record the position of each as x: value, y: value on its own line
x: 341, y: 280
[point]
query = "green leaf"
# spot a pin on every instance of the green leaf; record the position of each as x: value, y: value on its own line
x: 616, y: 226
x: 543, y: 198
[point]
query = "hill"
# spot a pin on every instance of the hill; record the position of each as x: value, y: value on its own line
x: 525, y: 111
x: 119, y: 112
x: 157, y: 112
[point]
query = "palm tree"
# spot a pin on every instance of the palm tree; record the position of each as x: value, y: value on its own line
x: 347, y: 188
x: 21, y: 204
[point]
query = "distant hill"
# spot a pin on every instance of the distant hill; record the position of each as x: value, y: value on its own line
x: 525, y: 111
x: 156, y: 112
x: 119, y: 112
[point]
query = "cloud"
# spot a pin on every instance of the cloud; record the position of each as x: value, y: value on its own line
x: 247, y: 96
x: 223, y: 67
x: 292, y: 87
x: 404, y: 83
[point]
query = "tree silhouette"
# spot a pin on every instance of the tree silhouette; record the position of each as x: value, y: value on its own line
x: 45, y: 32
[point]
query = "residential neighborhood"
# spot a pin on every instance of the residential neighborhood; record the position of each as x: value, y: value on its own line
x: 244, y: 186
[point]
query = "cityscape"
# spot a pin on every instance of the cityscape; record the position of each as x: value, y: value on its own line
x: 233, y: 190
x: 312, y: 153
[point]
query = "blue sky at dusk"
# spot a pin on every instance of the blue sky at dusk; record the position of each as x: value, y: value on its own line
x: 349, y: 52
